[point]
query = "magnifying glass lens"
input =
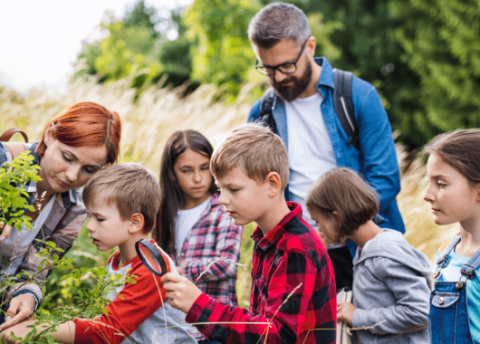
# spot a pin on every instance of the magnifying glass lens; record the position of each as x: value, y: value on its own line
x: 150, y: 259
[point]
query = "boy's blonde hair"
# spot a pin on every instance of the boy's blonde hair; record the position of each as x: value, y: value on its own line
x: 344, y: 191
x: 255, y: 149
x: 131, y: 188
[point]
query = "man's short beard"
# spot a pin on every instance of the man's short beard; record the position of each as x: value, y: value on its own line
x: 291, y: 92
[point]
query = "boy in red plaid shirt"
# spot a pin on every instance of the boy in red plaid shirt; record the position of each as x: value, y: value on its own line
x: 293, y: 297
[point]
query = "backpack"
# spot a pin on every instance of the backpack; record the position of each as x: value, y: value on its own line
x: 14, y: 148
x: 342, y: 102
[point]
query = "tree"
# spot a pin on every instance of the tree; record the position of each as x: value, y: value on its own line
x: 134, y: 47
x: 142, y: 17
x: 441, y: 42
x: 125, y: 50
x: 222, y: 54
x: 176, y: 56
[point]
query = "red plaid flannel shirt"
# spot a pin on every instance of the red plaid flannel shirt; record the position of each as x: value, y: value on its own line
x: 213, y: 236
x: 289, y: 262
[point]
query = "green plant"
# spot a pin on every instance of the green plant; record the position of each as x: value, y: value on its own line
x: 87, y: 300
x: 86, y: 287
x: 13, y: 197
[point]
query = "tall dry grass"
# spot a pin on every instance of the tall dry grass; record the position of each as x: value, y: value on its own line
x: 146, y: 123
x: 157, y: 113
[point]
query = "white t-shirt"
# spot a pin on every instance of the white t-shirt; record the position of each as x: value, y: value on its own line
x: 184, y: 222
x: 16, y: 245
x: 310, y: 150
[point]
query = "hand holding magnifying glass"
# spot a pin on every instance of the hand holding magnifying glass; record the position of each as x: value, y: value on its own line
x: 181, y: 291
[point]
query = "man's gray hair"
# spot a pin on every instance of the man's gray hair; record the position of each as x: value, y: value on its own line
x: 277, y: 22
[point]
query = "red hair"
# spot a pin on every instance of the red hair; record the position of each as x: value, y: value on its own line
x: 87, y: 124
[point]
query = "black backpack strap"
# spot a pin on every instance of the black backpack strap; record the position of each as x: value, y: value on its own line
x: 266, y: 109
x: 342, y: 101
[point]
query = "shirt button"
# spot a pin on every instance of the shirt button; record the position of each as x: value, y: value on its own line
x: 441, y: 301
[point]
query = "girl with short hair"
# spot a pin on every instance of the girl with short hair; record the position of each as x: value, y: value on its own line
x: 391, y: 280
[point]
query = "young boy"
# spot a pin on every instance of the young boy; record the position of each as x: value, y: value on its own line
x: 293, y: 287
x: 123, y: 202
x: 391, y: 281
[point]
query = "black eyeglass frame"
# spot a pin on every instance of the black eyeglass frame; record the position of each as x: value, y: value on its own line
x: 277, y: 67
x: 157, y: 256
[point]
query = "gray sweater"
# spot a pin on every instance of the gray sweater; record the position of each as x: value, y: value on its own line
x: 391, y: 288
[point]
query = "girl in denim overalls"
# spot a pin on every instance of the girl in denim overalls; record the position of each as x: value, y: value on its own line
x: 453, y: 171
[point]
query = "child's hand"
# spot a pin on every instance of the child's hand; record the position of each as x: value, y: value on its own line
x: 345, y: 312
x: 6, y: 231
x: 181, y: 291
x: 20, y: 330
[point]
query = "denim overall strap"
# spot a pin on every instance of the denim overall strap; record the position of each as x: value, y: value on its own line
x: 448, y: 318
x: 468, y: 270
x: 442, y: 261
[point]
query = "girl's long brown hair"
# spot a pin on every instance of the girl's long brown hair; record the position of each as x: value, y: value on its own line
x: 172, y: 197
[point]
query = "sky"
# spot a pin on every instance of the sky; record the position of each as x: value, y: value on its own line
x: 40, y: 39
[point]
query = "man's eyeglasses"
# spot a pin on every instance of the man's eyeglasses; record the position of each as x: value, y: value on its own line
x: 285, y: 68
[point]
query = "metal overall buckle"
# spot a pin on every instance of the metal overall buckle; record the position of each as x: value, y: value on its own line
x: 441, y: 265
x: 461, y: 283
x: 467, y: 271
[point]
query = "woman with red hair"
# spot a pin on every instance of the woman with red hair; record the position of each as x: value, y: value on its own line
x: 79, y: 141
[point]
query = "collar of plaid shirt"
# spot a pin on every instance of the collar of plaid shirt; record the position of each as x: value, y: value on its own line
x: 265, y: 242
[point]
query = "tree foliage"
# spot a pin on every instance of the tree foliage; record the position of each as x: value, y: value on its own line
x: 222, y: 53
x: 125, y: 50
x: 176, y: 56
x: 133, y: 46
x: 422, y: 56
x: 441, y: 43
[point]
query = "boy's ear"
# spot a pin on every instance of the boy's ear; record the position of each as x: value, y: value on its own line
x: 137, y: 221
x: 476, y: 189
x: 274, y: 184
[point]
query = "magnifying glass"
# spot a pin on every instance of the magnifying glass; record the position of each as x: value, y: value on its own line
x: 150, y: 257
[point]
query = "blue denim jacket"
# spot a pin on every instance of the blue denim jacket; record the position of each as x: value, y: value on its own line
x: 377, y: 161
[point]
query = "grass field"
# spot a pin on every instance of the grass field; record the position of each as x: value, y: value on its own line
x: 157, y: 113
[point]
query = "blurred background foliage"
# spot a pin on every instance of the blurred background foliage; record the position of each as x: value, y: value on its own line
x: 423, y: 56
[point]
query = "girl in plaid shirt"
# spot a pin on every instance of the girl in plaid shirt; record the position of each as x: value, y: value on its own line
x: 193, y: 227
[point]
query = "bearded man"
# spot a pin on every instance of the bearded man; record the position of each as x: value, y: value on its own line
x: 303, y: 114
